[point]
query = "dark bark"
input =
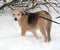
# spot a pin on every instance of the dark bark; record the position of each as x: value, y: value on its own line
x: 4, y: 0
x: 25, y: 0
x: 8, y: 4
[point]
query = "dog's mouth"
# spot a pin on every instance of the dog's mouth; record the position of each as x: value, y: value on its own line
x: 15, y: 19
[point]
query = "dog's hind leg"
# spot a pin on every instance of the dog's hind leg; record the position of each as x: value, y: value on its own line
x: 43, y: 31
x: 35, y: 34
x: 49, y: 30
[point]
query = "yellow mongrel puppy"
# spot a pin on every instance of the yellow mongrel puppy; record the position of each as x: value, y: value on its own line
x: 32, y: 22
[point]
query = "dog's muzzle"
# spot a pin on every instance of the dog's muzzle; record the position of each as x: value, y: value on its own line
x: 15, y: 19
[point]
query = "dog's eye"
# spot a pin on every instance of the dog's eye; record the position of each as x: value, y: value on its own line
x: 18, y: 14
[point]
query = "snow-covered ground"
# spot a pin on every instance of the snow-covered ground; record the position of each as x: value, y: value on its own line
x: 11, y: 39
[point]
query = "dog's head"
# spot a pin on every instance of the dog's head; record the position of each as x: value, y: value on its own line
x: 17, y: 14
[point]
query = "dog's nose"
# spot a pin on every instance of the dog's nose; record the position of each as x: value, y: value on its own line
x: 15, y: 19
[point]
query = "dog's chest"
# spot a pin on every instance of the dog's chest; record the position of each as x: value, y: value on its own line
x: 32, y: 19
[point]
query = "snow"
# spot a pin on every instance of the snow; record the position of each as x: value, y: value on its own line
x: 11, y: 39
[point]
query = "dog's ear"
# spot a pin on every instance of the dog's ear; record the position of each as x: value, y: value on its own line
x: 23, y: 13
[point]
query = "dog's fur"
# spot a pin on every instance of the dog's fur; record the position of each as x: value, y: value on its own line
x: 32, y: 22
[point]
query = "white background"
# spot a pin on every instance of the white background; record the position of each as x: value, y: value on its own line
x: 11, y: 39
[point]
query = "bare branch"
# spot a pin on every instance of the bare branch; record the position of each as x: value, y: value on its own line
x: 33, y: 6
x: 42, y: 3
x: 47, y: 7
x: 53, y: 8
x: 12, y: 3
x: 21, y: 4
x: 46, y: 0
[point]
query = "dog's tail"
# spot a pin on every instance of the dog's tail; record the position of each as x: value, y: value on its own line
x: 49, y: 20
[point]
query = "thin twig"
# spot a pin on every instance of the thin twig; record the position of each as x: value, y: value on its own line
x: 53, y: 8
x: 47, y: 7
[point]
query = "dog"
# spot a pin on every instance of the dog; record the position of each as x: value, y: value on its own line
x: 32, y: 22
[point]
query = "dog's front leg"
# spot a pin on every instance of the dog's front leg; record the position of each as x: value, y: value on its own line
x: 23, y: 32
x: 43, y: 31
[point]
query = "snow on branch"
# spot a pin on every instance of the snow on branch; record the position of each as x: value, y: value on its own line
x: 34, y: 3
